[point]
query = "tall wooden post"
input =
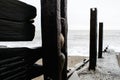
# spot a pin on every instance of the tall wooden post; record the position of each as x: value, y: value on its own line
x: 51, y: 23
x: 100, y: 40
x: 93, y: 39
x: 64, y: 30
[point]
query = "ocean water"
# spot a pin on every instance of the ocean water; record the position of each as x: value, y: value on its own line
x: 78, y: 41
x: 112, y: 39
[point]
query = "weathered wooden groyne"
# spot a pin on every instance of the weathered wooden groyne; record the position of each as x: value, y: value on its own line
x: 19, y: 63
x: 93, y: 39
x: 100, y: 47
x: 54, y: 23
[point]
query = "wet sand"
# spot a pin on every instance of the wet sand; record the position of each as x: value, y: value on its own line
x: 72, y: 60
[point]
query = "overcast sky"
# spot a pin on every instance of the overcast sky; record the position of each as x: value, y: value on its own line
x: 79, y: 11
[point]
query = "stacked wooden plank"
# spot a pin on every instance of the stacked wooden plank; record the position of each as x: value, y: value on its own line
x: 16, y: 20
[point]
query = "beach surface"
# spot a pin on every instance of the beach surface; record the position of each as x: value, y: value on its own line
x: 72, y: 61
x: 107, y: 68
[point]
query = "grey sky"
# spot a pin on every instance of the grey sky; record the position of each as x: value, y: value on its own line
x: 79, y: 11
x: 108, y: 12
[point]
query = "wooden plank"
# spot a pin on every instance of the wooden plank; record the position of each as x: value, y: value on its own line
x: 93, y: 39
x: 64, y: 31
x: 50, y: 25
x: 79, y: 66
x: 15, y: 61
x: 100, y: 40
x: 74, y: 76
x: 15, y: 75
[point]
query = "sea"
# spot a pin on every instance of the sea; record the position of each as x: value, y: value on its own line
x: 78, y: 41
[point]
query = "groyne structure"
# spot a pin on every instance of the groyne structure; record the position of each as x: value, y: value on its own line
x: 19, y: 63
x: 93, y: 39
x: 100, y: 40
x: 54, y: 23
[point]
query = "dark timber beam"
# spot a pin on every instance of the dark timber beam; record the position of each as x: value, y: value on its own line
x: 93, y: 39
x: 100, y: 40
x: 51, y: 23
x: 64, y: 30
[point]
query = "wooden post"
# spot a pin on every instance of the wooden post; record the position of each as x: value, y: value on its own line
x: 93, y: 39
x: 100, y: 40
x: 64, y: 30
x: 51, y: 23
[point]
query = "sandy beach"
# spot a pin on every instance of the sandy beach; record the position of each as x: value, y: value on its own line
x: 72, y: 60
